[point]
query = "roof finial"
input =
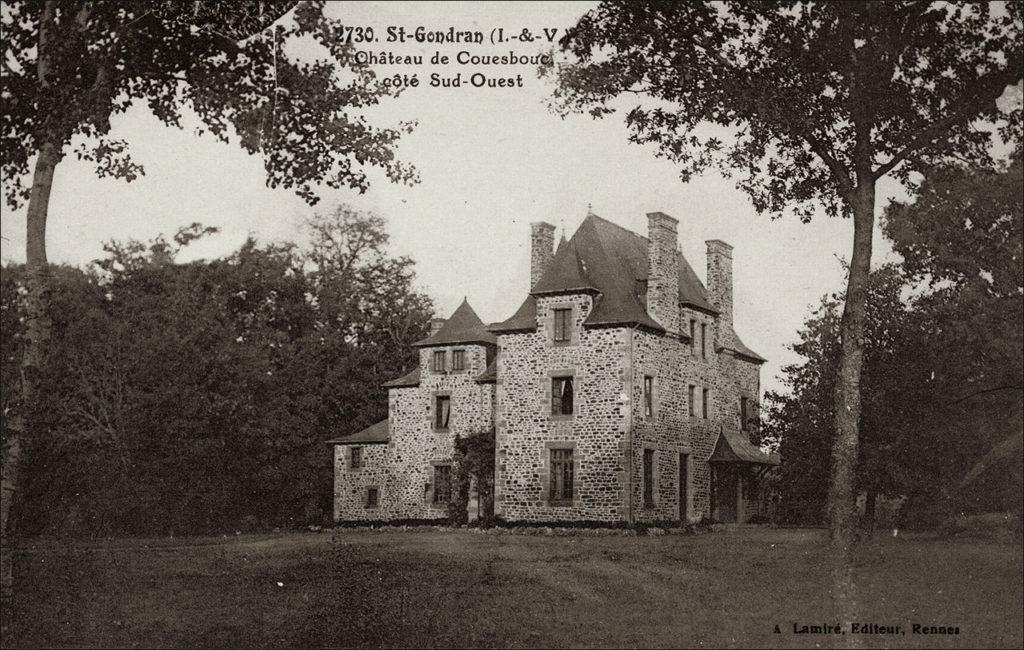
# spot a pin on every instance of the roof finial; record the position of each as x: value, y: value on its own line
x: 590, y: 210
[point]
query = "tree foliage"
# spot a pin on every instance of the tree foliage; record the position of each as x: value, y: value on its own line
x: 190, y: 397
x: 473, y: 462
x: 70, y: 67
x: 942, y: 377
x: 788, y: 82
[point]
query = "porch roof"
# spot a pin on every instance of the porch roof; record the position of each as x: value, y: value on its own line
x: 733, y: 447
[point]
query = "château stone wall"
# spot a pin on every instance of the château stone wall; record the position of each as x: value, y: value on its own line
x: 671, y: 431
x: 526, y: 430
x: 609, y: 430
x: 403, y: 469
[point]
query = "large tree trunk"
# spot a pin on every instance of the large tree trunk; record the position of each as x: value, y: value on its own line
x: 37, y: 338
x: 842, y: 507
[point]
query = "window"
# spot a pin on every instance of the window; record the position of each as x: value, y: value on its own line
x: 684, y: 482
x: 703, y: 340
x: 355, y: 460
x: 704, y: 402
x: 648, y: 396
x: 458, y: 359
x: 648, y: 478
x: 442, y: 411
x: 442, y: 483
x: 439, y: 361
x: 744, y: 413
x: 563, y: 325
x: 561, y: 475
x: 693, y: 337
x: 372, y: 497
x: 690, y: 397
x: 561, y: 396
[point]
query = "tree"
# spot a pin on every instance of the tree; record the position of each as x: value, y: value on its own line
x: 818, y: 102
x: 192, y: 398
x: 69, y: 67
x: 800, y: 420
x: 944, y: 356
x: 961, y: 240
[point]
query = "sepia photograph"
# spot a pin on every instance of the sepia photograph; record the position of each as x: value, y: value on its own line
x: 467, y: 324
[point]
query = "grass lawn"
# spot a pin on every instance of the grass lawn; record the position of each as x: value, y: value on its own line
x: 428, y: 587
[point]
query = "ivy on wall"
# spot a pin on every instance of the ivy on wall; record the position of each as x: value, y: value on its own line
x: 473, y: 461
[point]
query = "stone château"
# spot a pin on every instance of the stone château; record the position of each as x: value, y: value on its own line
x: 617, y: 392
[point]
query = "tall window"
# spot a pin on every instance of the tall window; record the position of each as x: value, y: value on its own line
x: 439, y: 361
x: 648, y: 478
x: 693, y: 337
x: 442, y: 411
x: 684, y: 482
x: 704, y: 340
x: 691, y: 395
x: 458, y: 359
x: 561, y: 475
x: 561, y: 396
x: 442, y: 483
x: 704, y: 402
x: 372, y: 497
x: 355, y: 460
x: 563, y: 325
x: 648, y: 396
x: 744, y: 413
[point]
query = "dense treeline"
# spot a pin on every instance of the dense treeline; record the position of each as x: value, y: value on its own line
x: 196, y: 397
x: 942, y: 386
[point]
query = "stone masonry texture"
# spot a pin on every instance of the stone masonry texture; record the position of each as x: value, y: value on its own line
x: 610, y: 427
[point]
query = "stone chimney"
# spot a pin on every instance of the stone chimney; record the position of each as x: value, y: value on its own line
x: 435, y: 325
x: 542, y: 246
x: 720, y: 287
x: 663, y: 271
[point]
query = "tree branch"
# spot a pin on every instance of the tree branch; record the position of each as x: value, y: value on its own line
x: 989, y: 89
x: 839, y: 172
x: 986, y: 390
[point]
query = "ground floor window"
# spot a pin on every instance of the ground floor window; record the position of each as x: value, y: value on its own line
x: 442, y: 483
x: 561, y: 475
x: 372, y: 497
x: 648, y: 478
x: 684, y: 486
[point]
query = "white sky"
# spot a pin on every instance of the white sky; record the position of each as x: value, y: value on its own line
x: 490, y: 161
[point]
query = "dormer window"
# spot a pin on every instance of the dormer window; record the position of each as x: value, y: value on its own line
x: 439, y: 361
x: 563, y: 325
x: 458, y: 360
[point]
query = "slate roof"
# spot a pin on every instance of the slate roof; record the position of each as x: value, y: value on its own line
x: 733, y: 447
x: 489, y: 375
x: 525, y: 318
x: 464, y: 326
x: 742, y: 350
x: 606, y: 259
x: 411, y: 378
x: 374, y: 434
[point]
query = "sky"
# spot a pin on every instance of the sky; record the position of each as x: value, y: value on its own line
x: 491, y: 161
